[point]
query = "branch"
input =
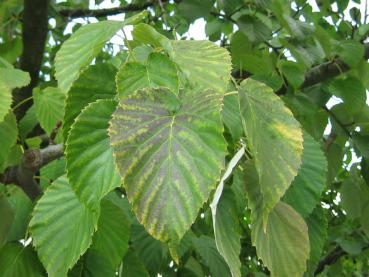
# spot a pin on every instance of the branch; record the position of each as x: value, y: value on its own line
x: 34, y: 33
x: 331, y: 258
x: 74, y: 13
x: 317, y: 74
x: 32, y: 160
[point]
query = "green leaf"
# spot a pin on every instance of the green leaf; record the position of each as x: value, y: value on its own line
x: 284, y: 245
x: 275, y: 140
x: 227, y: 233
x: 90, y: 162
x: 160, y: 71
x: 293, y: 72
x: 225, y: 221
x: 10, y: 78
x: 7, y: 218
x: 304, y: 193
x: 133, y: 267
x: 51, y: 172
x: 16, y: 260
x: 49, y: 105
x: 146, y: 34
x: 8, y: 135
x: 351, y: 91
x: 113, y: 232
x: 354, y: 196
x: 27, y: 123
x: 193, y: 9
x: 205, y: 247
x: 254, y: 28
x: 83, y: 46
x: 61, y: 228
x: 92, y: 264
x: 22, y: 207
x: 317, y: 224
x: 350, y: 51
x: 151, y: 252
x: 97, y: 82
x: 231, y: 116
x: 193, y: 57
x: 163, y: 153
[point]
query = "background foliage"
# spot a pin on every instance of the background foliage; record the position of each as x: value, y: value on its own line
x: 128, y: 148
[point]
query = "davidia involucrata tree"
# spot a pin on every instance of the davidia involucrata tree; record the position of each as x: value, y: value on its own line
x: 128, y: 149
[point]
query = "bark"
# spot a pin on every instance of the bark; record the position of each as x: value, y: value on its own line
x: 34, y: 33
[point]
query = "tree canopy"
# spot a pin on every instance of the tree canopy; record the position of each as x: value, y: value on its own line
x: 129, y: 148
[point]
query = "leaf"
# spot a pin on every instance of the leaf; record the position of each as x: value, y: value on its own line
x: 147, y: 34
x: 304, y: 193
x: 27, y: 123
x: 160, y: 71
x: 97, y: 82
x: 8, y: 135
x: 205, y: 247
x: 275, y: 140
x: 22, y: 207
x: 284, y: 245
x: 150, y: 251
x: 163, y: 155
x: 193, y: 9
x: 317, y: 224
x: 10, y: 78
x: 133, y: 267
x: 227, y: 233
x: 192, y: 57
x: 16, y: 260
x: 350, y: 51
x: 83, y: 46
x: 7, y: 218
x: 254, y: 28
x: 293, y: 72
x: 92, y: 264
x: 49, y: 105
x: 113, y: 232
x: 51, y: 172
x: 231, y: 116
x: 225, y: 221
x: 90, y: 162
x: 351, y: 91
x: 61, y: 228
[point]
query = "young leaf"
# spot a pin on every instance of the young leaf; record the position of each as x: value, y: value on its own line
x: 146, y: 34
x: 159, y: 71
x: 170, y: 152
x: 275, y: 139
x: 90, y: 161
x: 49, y: 105
x: 60, y: 246
x: 206, y: 65
x: 304, y: 193
x: 8, y: 135
x: 227, y: 233
x: 225, y: 221
x: 284, y: 245
x: 10, y: 78
x: 97, y: 82
x: 17, y: 260
x: 83, y: 46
